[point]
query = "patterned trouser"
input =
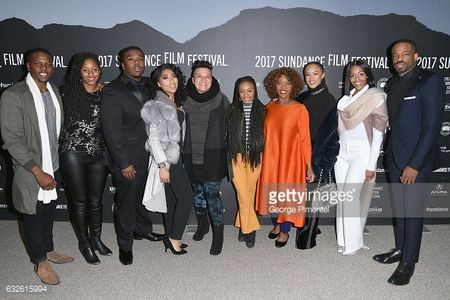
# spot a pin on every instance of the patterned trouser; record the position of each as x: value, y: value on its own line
x: 207, y: 196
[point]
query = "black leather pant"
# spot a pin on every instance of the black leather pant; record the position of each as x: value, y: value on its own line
x: 84, y: 180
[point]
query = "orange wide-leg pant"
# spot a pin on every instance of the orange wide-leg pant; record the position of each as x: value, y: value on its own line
x: 244, y: 180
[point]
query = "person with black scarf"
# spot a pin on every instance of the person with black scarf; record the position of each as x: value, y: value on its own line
x: 245, y: 143
x: 204, y: 151
x: 321, y: 106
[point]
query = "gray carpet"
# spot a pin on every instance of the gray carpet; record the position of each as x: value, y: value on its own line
x: 263, y: 272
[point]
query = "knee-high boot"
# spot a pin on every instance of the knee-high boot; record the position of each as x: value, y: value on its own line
x: 95, y: 215
x: 80, y: 220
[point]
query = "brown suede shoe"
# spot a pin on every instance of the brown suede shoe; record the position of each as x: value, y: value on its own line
x: 58, y: 258
x: 46, y: 273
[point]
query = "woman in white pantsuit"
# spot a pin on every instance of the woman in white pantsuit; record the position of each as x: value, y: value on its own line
x: 362, y: 122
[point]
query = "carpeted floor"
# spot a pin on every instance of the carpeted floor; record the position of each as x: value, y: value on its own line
x: 263, y: 272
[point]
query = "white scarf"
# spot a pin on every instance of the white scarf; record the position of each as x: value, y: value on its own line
x: 47, y: 166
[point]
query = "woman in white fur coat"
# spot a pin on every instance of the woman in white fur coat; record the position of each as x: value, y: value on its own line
x: 168, y: 188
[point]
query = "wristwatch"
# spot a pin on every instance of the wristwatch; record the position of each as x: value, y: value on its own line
x: 162, y: 165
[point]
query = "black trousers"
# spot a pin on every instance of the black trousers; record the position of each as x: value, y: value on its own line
x: 84, y: 179
x: 38, y: 231
x: 409, y: 202
x: 130, y: 215
x: 179, y: 199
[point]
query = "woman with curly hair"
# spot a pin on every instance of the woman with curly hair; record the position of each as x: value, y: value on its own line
x: 245, y: 131
x: 81, y: 153
x: 168, y: 188
x: 286, y: 161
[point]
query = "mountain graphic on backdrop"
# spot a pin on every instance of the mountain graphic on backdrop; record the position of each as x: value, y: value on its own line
x: 253, y: 33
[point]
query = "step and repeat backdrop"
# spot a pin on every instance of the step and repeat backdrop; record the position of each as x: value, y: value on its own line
x: 253, y: 43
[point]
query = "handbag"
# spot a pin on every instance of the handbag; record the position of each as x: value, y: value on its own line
x: 324, y: 195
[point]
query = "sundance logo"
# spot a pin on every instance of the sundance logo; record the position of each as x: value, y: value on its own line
x: 382, y: 83
x: 442, y: 170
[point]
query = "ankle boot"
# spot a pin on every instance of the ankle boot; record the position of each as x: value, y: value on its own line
x: 89, y: 255
x: 95, y: 214
x: 46, y: 273
x: 217, y: 242
x: 202, y: 228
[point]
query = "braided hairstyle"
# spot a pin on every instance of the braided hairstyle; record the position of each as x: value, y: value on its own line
x: 76, y: 100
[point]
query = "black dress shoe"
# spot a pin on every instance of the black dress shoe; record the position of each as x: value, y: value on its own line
x: 89, y: 255
x: 402, y: 275
x: 152, y: 237
x: 391, y: 257
x: 126, y: 257
x: 279, y: 244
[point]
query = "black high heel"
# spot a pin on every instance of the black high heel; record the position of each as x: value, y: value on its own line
x: 168, y: 245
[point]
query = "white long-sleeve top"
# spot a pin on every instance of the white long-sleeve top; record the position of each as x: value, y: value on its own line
x: 359, y: 132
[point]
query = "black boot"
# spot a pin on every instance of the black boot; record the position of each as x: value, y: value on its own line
x: 250, y: 239
x: 217, y: 242
x: 202, y: 228
x: 95, y: 214
x: 89, y: 255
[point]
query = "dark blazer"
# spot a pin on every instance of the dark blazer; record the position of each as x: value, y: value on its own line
x: 415, y: 129
x: 122, y: 125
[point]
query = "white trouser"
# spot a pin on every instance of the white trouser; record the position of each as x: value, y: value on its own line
x: 350, y: 170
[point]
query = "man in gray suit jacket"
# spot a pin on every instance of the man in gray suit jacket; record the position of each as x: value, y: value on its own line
x: 31, y: 116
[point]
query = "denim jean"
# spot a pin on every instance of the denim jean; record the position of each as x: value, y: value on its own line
x: 207, y: 198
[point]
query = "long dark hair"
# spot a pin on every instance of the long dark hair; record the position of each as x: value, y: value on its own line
x: 180, y: 94
x: 254, y: 146
x: 75, y: 98
x: 366, y: 69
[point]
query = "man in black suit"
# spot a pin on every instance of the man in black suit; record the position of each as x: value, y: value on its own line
x: 415, y: 105
x: 125, y: 136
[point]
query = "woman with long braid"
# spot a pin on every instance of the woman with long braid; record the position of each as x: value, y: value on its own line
x: 81, y: 153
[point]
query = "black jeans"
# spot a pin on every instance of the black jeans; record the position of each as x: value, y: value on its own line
x: 84, y: 179
x: 179, y: 199
x: 38, y: 231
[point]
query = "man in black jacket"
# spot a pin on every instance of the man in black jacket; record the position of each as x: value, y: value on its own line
x: 415, y: 102
x: 125, y: 136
